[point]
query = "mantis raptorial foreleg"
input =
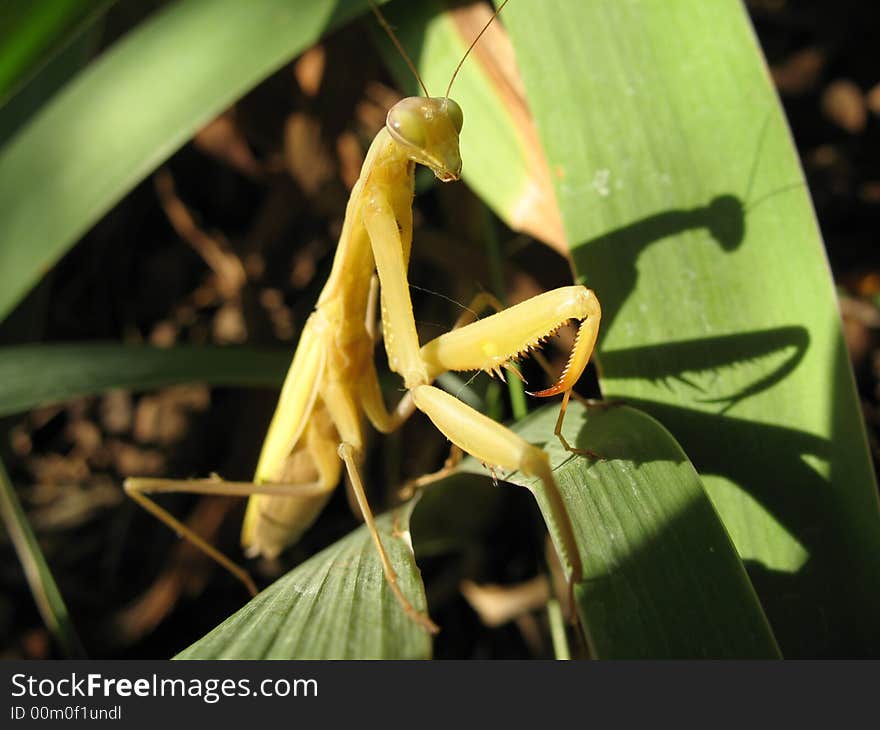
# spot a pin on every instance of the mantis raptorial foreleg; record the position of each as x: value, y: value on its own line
x: 494, y: 444
x: 332, y: 382
x: 489, y: 344
x: 401, y: 340
x: 469, y: 313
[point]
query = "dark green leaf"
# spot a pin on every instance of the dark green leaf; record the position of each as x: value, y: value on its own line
x: 32, y: 375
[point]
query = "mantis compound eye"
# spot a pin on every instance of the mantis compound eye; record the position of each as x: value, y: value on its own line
x: 407, y: 125
x: 456, y: 116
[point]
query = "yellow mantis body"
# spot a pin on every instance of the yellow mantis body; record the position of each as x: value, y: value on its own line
x: 332, y: 386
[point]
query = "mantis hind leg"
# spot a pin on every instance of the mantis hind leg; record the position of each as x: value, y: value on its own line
x: 138, y: 488
x: 283, y: 502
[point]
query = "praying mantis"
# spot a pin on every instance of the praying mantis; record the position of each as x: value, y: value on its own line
x: 332, y: 386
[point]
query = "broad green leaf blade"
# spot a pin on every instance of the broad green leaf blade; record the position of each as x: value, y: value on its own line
x: 661, y: 577
x: 336, y: 605
x: 511, y: 174
x: 131, y: 109
x: 687, y: 212
x: 31, y: 32
x: 33, y: 375
x: 42, y: 584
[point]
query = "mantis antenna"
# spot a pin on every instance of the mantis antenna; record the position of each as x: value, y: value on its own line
x: 405, y: 55
x: 471, y: 46
x: 397, y: 44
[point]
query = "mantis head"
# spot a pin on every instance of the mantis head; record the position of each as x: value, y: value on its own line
x: 428, y: 128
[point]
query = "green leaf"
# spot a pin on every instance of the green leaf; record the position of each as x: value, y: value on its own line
x: 687, y: 212
x: 661, y: 577
x: 33, y: 375
x: 40, y: 580
x: 131, y: 109
x: 32, y: 32
x: 336, y: 605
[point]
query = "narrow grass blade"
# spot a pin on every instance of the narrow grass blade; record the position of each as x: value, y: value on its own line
x: 687, y: 212
x: 39, y: 577
x: 336, y: 605
x: 661, y: 577
x: 32, y: 375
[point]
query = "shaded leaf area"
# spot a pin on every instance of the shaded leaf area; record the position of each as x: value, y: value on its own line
x: 661, y: 576
x: 694, y: 226
x: 86, y: 149
x: 335, y: 605
x: 33, y: 32
x: 34, y: 375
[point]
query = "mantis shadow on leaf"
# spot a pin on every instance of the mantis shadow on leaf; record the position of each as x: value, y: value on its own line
x: 712, y: 353
x: 723, y: 218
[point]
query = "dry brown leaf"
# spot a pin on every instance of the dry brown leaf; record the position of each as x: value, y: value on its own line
x: 844, y: 104
x: 305, y: 154
x: 496, y: 605
x: 309, y: 70
x: 222, y: 139
x: 351, y: 158
x: 227, y: 267
x: 186, y: 569
x: 800, y: 72
x: 537, y: 211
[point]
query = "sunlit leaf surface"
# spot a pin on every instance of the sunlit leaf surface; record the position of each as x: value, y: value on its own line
x: 686, y: 210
